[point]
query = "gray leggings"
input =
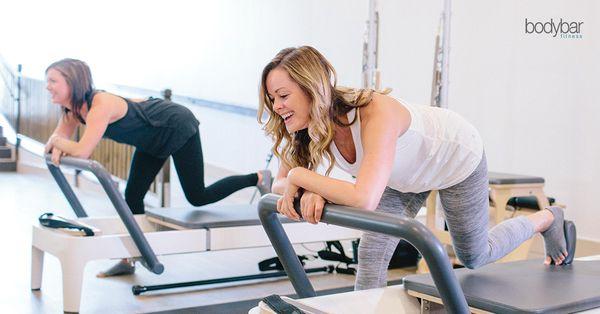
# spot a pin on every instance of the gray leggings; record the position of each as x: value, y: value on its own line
x: 466, y: 209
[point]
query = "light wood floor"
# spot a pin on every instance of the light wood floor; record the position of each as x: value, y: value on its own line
x: 31, y: 191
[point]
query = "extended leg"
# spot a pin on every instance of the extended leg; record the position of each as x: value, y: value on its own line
x: 189, y: 163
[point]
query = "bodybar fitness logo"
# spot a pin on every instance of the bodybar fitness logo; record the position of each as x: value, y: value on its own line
x: 556, y: 29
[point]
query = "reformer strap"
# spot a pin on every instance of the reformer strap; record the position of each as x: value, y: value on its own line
x: 51, y: 221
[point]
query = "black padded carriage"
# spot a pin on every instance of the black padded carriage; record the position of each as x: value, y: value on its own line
x: 524, y: 287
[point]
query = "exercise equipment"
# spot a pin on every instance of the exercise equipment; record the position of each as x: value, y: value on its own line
x: 514, y: 287
x: 522, y: 287
x: 160, y: 231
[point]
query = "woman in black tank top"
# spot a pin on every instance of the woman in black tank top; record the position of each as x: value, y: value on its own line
x: 157, y: 128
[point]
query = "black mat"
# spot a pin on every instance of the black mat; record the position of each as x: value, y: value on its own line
x: 524, y: 287
x: 242, y: 307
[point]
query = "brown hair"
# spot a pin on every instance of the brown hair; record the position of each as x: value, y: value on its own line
x: 78, y: 76
x: 317, y: 78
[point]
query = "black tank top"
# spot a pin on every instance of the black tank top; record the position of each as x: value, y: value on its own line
x: 155, y: 126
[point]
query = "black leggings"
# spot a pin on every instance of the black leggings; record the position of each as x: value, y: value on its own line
x: 190, y: 168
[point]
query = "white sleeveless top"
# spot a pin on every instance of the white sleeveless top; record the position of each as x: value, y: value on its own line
x: 439, y: 150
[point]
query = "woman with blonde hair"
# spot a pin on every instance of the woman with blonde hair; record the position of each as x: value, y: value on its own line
x: 398, y: 152
x: 157, y: 128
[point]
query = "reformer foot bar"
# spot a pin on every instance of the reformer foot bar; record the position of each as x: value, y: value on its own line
x: 149, y: 259
x: 409, y: 229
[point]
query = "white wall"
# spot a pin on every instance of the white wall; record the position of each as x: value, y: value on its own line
x: 207, y: 49
x: 532, y: 97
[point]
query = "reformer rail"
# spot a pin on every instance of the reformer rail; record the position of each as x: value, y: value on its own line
x: 409, y: 229
x: 149, y: 259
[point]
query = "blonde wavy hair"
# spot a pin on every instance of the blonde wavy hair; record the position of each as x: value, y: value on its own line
x: 317, y: 79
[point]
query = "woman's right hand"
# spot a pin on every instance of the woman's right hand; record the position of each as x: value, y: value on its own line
x: 49, y: 146
x: 285, y: 204
x: 311, y: 207
x: 56, y: 155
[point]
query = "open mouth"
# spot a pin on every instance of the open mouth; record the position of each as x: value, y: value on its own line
x: 286, y: 117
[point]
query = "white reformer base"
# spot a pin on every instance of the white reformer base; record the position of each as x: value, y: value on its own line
x: 74, y: 252
x: 392, y: 299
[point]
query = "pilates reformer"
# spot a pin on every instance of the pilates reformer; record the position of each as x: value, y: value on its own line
x: 513, y: 287
x: 161, y: 231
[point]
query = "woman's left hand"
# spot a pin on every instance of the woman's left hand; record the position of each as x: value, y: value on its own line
x: 285, y: 205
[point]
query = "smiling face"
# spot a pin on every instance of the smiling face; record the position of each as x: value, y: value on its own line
x: 297, y: 92
x: 59, y: 89
x: 290, y: 102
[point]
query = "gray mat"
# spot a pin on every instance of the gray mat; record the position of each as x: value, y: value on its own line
x: 524, y: 287
x: 507, y: 178
x: 210, y: 216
